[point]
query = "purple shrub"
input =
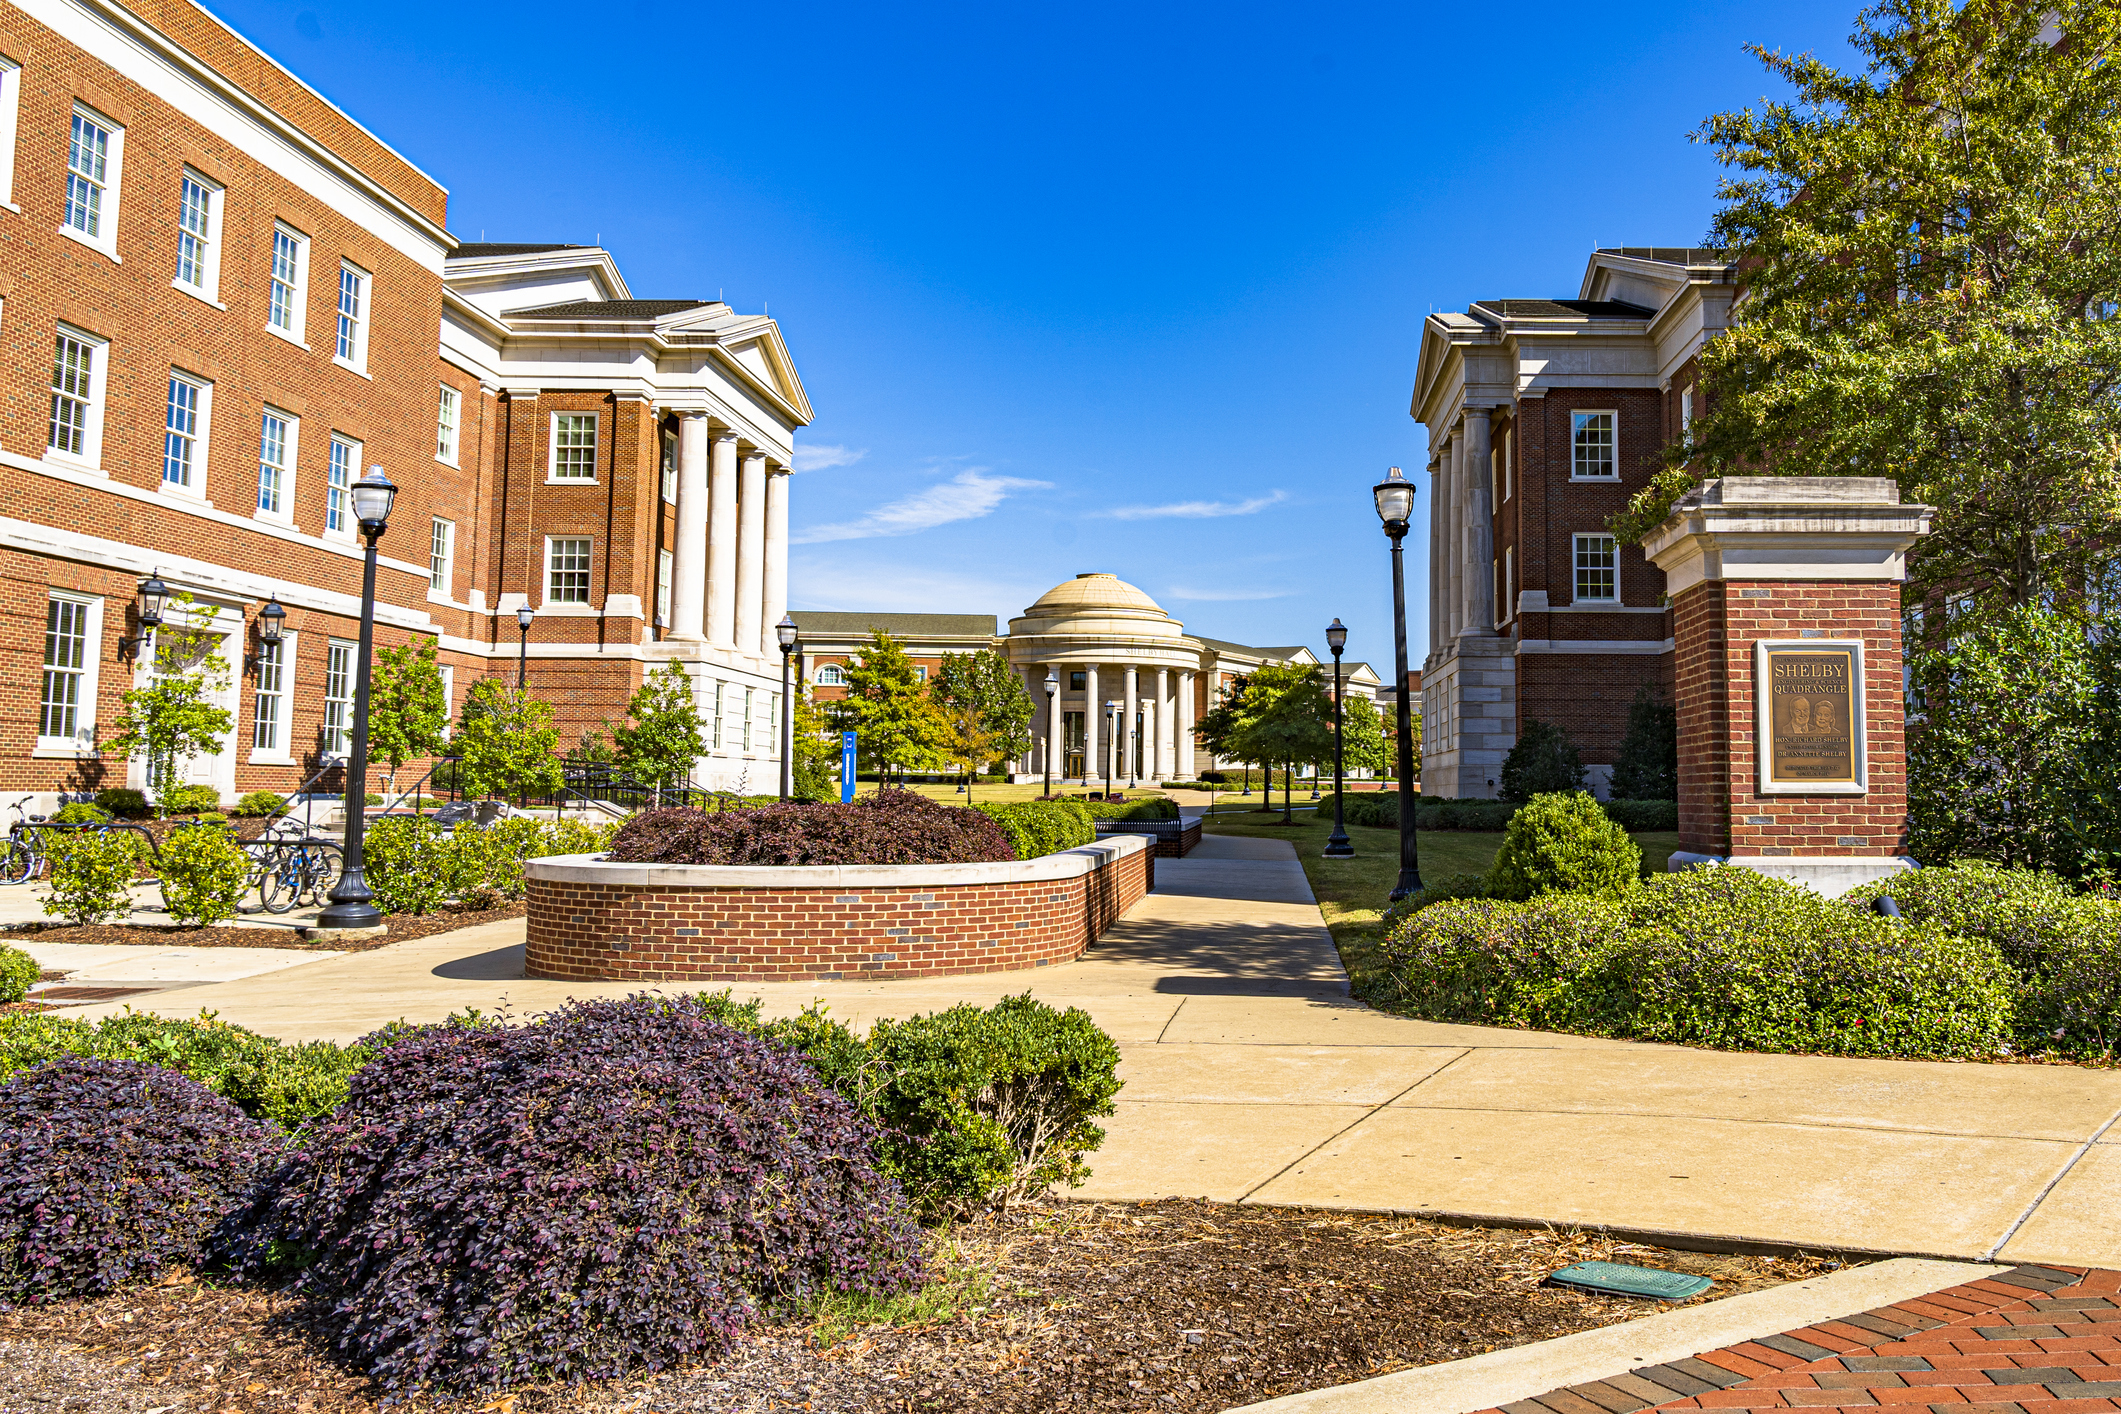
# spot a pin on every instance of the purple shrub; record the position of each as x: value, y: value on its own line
x: 891, y: 827
x: 111, y: 1170
x: 615, y: 1186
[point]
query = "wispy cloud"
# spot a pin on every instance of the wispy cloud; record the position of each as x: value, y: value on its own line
x: 841, y: 580
x: 1207, y: 596
x: 1195, y: 510
x: 968, y: 495
x: 820, y: 457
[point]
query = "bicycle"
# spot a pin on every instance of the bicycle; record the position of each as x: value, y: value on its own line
x: 303, y: 871
x: 23, y: 857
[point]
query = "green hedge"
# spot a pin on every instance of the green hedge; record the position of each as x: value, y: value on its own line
x: 1042, y: 827
x: 18, y: 973
x: 1154, y: 808
x: 1380, y: 811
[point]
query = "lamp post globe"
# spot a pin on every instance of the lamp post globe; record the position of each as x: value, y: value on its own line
x: 272, y: 621
x: 352, y: 904
x: 1052, y: 701
x: 524, y: 616
x: 1395, y: 507
x: 1338, y: 845
x: 784, y: 633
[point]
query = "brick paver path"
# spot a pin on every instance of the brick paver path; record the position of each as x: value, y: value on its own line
x: 2028, y: 1340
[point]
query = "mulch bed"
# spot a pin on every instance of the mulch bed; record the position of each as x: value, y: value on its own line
x: 403, y: 927
x: 1106, y: 1308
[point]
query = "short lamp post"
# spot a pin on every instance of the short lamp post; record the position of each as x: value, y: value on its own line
x: 352, y: 904
x: 1337, y: 844
x: 1395, y: 506
x: 154, y: 596
x: 272, y: 623
x: 1144, y: 746
x: 1052, y: 723
x: 524, y: 616
x: 784, y: 631
x: 1111, y: 743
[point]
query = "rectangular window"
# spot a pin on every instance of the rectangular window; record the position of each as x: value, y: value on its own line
x: 352, y: 347
x: 746, y: 731
x: 574, y: 446
x: 1509, y: 583
x: 67, y: 719
x: 1078, y: 681
x: 77, y: 396
x: 10, y: 111
x: 441, y: 553
x: 1596, y: 457
x: 184, y: 438
x: 773, y: 719
x: 664, y: 564
x: 266, y: 735
x: 446, y: 427
x: 276, y: 460
x: 1597, y: 568
x: 340, y: 473
x: 1508, y: 490
x: 338, y: 698
x: 567, y: 571
x: 198, y: 235
x: 1686, y: 411
x: 719, y: 690
x: 449, y: 694
x: 92, y: 151
x: 670, y: 466
x: 290, y: 279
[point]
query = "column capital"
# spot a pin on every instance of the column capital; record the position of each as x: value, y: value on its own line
x: 691, y: 415
x: 722, y: 434
x: 756, y: 454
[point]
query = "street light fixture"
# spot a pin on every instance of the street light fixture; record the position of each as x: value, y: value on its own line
x: 1395, y: 506
x: 1337, y: 844
x: 1052, y: 722
x: 524, y: 616
x: 1144, y: 749
x: 1111, y: 742
x: 784, y: 631
x: 154, y: 594
x: 272, y: 621
x: 352, y: 904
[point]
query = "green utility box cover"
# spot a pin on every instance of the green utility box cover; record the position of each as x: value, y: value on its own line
x: 1619, y: 1279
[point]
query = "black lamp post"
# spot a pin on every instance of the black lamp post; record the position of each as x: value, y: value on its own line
x: 154, y: 594
x: 1111, y: 743
x: 1052, y: 724
x: 523, y: 617
x: 785, y: 632
x: 1337, y: 844
x: 352, y: 905
x: 1395, y: 504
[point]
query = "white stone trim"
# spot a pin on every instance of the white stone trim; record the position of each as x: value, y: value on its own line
x: 1638, y: 646
x: 1067, y: 864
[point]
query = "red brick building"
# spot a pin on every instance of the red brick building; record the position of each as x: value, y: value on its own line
x: 221, y: 300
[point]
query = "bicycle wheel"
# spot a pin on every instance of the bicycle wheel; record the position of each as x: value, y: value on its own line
x: 280, y: 883
x: 321, y: 866
x: 17, y: 863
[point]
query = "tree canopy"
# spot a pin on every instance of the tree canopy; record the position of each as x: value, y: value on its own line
x: 664, y: 735
x: 887, y: 706
x: 172, y: 717
x: 506, y: 743
x: 408, y: 707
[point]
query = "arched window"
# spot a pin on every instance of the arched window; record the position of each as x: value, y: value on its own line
x: 831, y: 675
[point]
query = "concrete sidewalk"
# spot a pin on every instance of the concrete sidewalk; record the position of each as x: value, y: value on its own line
x: 1252, y: 1076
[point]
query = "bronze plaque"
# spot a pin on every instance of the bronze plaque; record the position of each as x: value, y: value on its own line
x: 1811, y: 715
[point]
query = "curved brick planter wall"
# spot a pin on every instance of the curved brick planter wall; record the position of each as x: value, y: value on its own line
x: 593, y: 921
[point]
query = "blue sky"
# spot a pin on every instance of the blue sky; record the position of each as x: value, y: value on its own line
x: 1134, y: 288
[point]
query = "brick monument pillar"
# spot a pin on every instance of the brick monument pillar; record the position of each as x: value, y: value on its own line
x: 1786, y: 652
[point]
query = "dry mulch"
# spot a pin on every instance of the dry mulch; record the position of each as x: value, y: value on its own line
x: 1107, y: 1308
x: 403, y: 927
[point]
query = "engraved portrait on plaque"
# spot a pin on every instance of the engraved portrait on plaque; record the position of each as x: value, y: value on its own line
x: 1813, y: 716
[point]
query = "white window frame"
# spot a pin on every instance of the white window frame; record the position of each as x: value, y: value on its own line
x: 1509, y: 583
x: 82, y: 741
x: 720, y: 690
x: 449, y: 697
x: 90, y: 457
x: 745, y: 745
x: 1686, y: 413
x: 281, y: 753
x: 344, y: 705
x: 669, y: 442
x: 1577, y: 417
x: 449, y: 424
x: 295, y: 330
x: 284, y: 513
x: 202, y: 424
x: 104, y: 240
x: 10, y: 128
x: 342, y: 455
x: 1509, y: 487
x: 838, y: 678
x: 441, y: 556
x: 349, y: 331
x: 665, y: 572
x: 208, y: 264
x: 552, y: 450
x: 588, y: 570
x: 1594, y: 542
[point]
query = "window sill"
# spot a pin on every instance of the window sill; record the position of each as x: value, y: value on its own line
x: 351, y: 368
x: 286, y: 336
x: 570, y: 611
x: 274, y: 518
x: 10, y: 206
x: 184, y: 493
x: 73, y: 463
x: 54, y: 752
x: 196, y: 293
x: 441, y: 460
x: 267, y: 758
x: 441, y: 596
x: 92, y: 243
x: 570, y: 481
x: 1595, y: 480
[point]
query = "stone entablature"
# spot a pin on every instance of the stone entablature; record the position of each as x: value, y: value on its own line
x: 594, y: 920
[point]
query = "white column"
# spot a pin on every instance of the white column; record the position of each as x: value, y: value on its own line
x: 1457, y: 534
x: 1159, y: 725
x: 721, y: 542
x: 1093, y: 715
x: 1185, y: 727
x: 1054, y: 761
x: 750, y: 551
x: 688, y: 589
x: 1129, y: 705
x: 776, y: 603
x: 1438, y: 476
x: 1480, y: 542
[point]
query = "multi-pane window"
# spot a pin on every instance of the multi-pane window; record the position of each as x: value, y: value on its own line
x: 338, y: 698
x: 441, y: 548
x: 276, y: 450
x: 290, y: 256
x: 1597, y: 568
x: 352, y: 347
x: 1509, y: 583
x: 183, y: 440
x: 574, y: 446
x: 746, y: 730
x: 773, y: 718
x: 567, y: 570
x: 446, y: 427
x: 1686, y: 411
x: 88, y: 156
x: 831, y: 675
x: 1596, y: 456
x: 1508, y: 490
x: 670, y: 465
x: 73, y: 428
x: 10, y: 110
x: 195, y: 234
x: 66, y: 665
x: 720, y: 691
x: 664, y: 564
x: 265, y: 731
x: 339, y: 473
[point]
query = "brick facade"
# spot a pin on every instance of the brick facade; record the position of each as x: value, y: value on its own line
x: 585, y: 931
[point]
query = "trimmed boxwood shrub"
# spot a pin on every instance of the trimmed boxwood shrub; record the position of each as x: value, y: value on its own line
x: 205, y: 873
x: 1155, y: 808
x: 92, y: 874
x: 123, y: 802
x: 111, y: 1170
x: 190, y: 799
x: 890, y: 827
x: 261, y: 802
x: 1042, y: 827
x: 1379, y: 810
x: 1563, y: 841
x: 18, y: 973
x: 618, y: 1186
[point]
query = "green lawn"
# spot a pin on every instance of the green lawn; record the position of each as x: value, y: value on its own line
x: 1352, y: 892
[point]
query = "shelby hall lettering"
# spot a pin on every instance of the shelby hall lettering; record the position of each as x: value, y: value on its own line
x: 1812, y: 715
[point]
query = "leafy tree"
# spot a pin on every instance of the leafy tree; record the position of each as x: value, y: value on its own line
x: 507, y: 743
x: 1288, y: 721
x: 171, y: 718
x: 987, y: 707
x: 888, y: 707
x: 817, y: 749
x: 592, y: 748
x: 1363, y: 729
x: 1648, y: 768
x: 1544, y: 760
x: 665, y: 734
x: 1930, y: 253
x: 408, y: 708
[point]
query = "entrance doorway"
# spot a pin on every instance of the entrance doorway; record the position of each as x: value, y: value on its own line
x: 208, y: 638
x: 1073, y: 742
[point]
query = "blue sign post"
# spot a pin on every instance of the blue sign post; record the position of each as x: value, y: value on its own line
x: 846, y: 767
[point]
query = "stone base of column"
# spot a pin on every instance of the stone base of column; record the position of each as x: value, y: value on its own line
x: 1829, y: 874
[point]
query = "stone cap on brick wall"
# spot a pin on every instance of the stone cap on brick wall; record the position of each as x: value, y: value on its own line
x: 1787, y: 528
x: 1067, y: 864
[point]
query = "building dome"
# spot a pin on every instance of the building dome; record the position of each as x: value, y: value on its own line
x: 1092, y: 593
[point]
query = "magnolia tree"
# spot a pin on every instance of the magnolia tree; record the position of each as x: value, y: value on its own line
x: 506, y: 743
x: 664, y: 735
